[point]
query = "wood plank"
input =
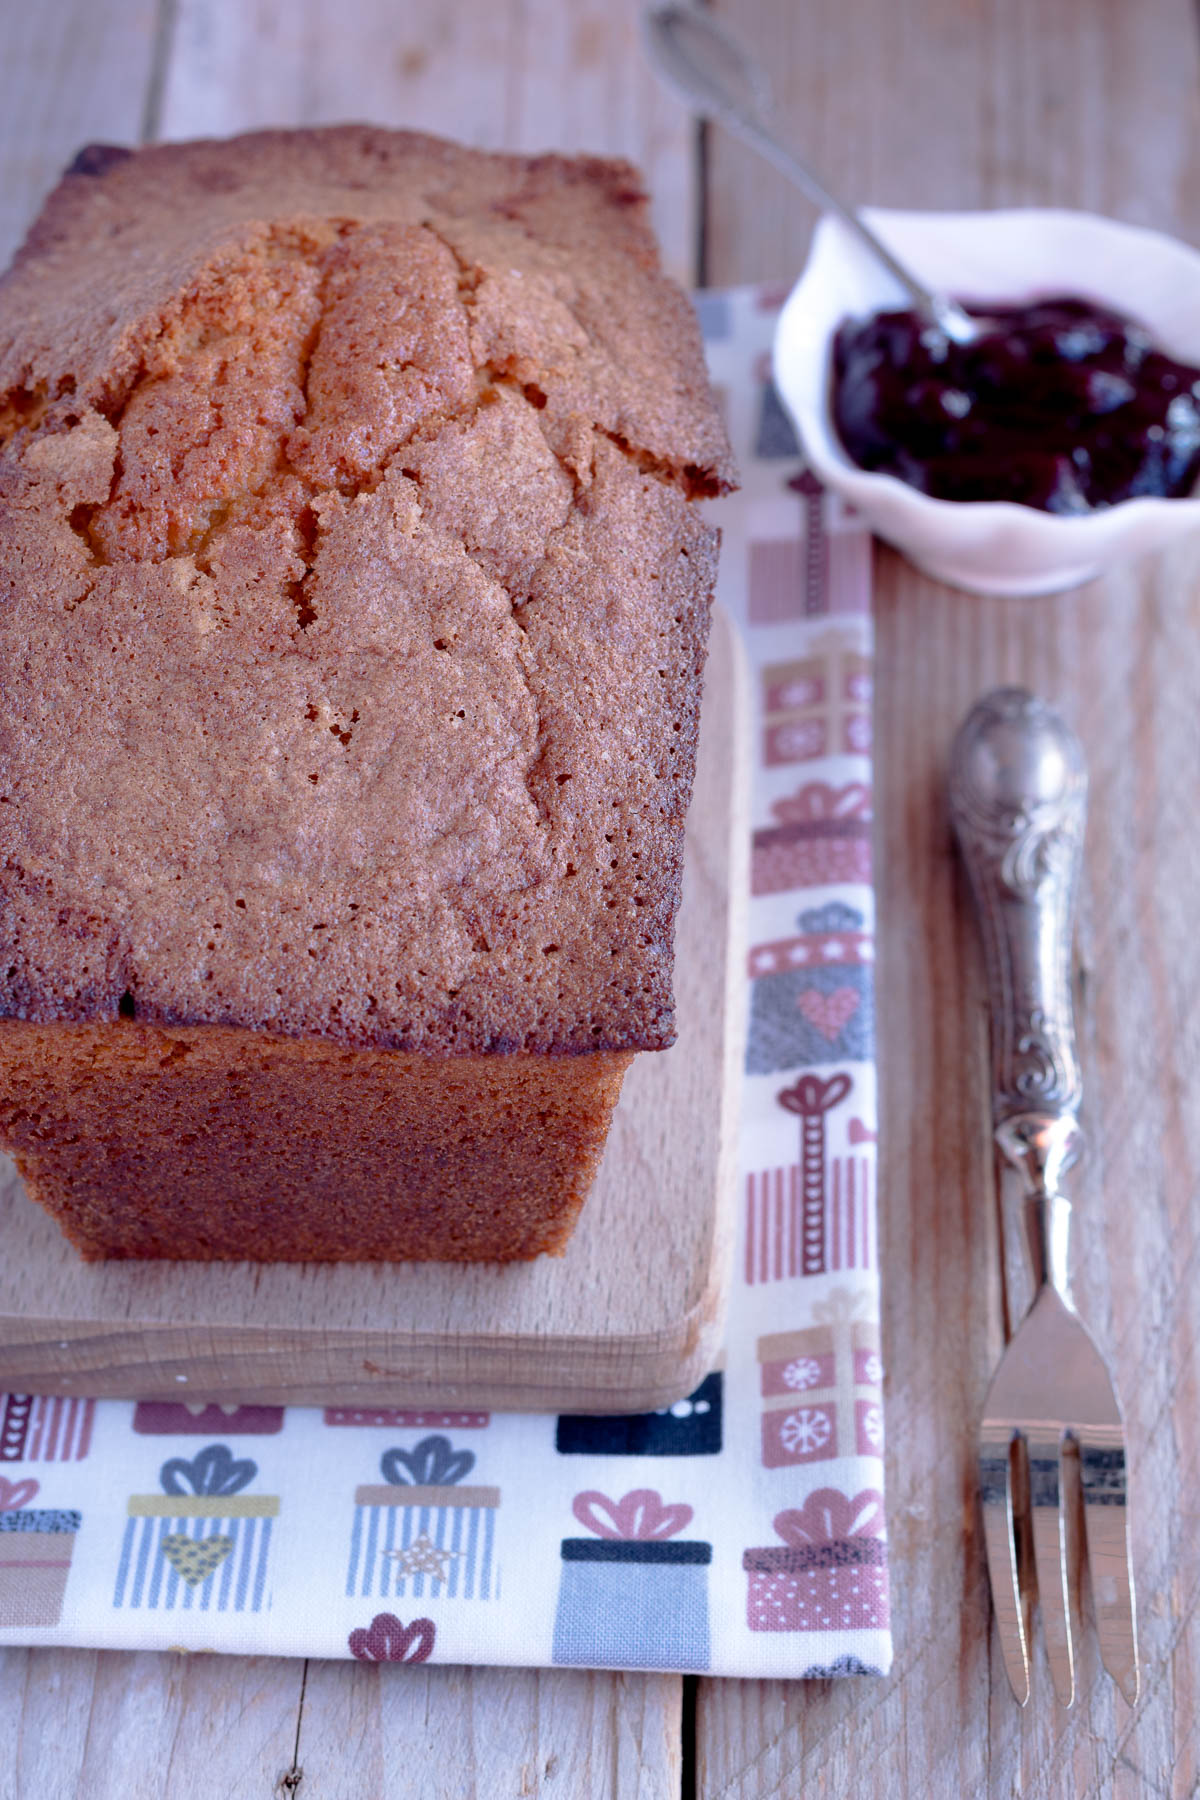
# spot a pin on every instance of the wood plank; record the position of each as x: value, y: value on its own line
x: 585, y: 1330
x: 88, y: 1725
x: 501, y: 74
x: 487, y: 1734
x: 947, y: 105
x: 71, y: 73
x: 106, y: 1725
x: 942, y: 106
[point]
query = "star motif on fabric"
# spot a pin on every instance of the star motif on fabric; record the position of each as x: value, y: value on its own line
x: 423, y: 1557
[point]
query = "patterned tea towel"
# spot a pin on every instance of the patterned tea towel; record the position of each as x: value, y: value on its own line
x: 740, y: 1531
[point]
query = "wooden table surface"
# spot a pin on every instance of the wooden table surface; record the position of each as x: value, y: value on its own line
x: 938, y: 103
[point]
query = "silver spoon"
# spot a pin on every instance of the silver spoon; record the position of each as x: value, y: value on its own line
x: 707, y: 65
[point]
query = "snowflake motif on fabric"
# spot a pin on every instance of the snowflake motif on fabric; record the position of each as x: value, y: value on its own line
x: 423, y: 1557
x: 872, y: 1369
x: 807, y: 1430
x: 804, y: 1372
x: 858, y: 735
x: 872, y: 1426
x: 801, y: 693
x: 802, y: 740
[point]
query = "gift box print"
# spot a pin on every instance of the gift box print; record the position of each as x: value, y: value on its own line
x: 829, y: 1574
x: 36, y: 1546
x: 421, y: 1534
x: 775, y: 438
x: 822, y: 1387
x: 689, y: 1427
x: 817, y: 705
x: 817, y: 1214
x: 634, y: 1595
x: 202, y: 1543
x: 396, y: 1418
x: 823, y: 568
x: 45, y: 1428
x: 178, y: 1418
x: 821, y: 836
x: 812, y: 996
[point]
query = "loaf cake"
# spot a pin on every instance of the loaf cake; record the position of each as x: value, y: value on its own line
x: 354, y: 606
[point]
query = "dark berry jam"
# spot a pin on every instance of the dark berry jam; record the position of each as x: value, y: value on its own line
x: 1063, y: 406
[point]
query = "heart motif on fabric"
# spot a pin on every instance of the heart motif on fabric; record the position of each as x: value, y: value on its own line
x: 195, y: 1558
x: 639, y: 1516
x: 829, y: 1013
x: 16, y: 1494
x: 432, y: 1463
x: 387, y: 1639
x: 859, y: 1133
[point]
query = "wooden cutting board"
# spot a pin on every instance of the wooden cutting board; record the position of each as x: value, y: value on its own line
x: 629, y: 1319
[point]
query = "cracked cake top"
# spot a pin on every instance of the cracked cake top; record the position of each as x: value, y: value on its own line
x: 352, y: 598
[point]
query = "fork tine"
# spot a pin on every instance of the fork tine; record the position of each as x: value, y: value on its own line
x: 1106, y: 1524
x: 996, y: 1493
x: 1050, y: 1555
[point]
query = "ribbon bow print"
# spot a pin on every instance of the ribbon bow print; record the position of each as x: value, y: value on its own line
x: 639, y: 1516
x: 213, y: 1470
x: 434, y: 1462
x: 830, y: 1517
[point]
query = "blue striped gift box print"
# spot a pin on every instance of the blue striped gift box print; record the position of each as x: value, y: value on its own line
x: 424, y: 1542
x: 202, y: 1553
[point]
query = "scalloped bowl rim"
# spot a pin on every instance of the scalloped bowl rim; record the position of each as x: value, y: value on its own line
x: 948, y: 536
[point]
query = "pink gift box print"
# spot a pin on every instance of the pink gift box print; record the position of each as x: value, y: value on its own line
x: 45, y: 1428
x: 820, y: 834
x: 36, y: 1547
x: 830, y: 1572
x: 817, y: 705
x: 822, y: 1388
x: 180, y: 1418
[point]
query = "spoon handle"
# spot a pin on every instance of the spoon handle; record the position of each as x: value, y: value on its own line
x: 758, y: 138
x: 702, y: 61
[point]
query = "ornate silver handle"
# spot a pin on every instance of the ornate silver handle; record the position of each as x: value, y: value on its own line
x: 1018, y: 799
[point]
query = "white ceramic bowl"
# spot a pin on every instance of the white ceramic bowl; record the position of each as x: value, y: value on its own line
x: 988, y: 546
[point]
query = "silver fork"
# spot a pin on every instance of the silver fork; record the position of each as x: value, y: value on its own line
x: 1018, y: 798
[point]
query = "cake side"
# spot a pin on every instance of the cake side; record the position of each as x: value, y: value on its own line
x: 211, y: 1143
x: 354, y: 600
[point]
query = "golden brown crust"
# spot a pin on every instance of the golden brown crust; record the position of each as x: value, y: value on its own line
x: 211, y: 1143
x: 352, y: 601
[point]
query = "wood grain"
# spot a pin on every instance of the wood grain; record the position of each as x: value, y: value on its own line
x: 71, y: 73
x: 628, y: 1319
x: 107, y: 1725
x: 1090, y: 105
x: 486, y: 1734
x: 502, y: 74
x: 941, y: 104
